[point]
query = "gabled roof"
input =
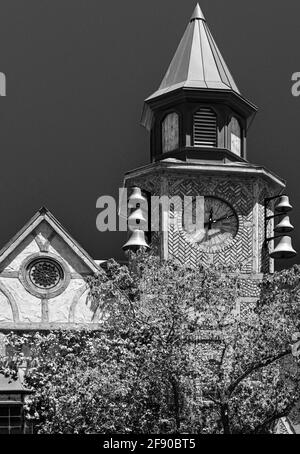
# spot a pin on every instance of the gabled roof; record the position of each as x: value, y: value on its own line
x: 43, y: 214
x: 197, y: 62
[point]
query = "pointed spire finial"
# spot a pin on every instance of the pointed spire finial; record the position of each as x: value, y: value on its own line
x: 197, y: 14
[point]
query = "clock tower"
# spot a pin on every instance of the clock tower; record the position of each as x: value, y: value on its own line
x: 198, y: 122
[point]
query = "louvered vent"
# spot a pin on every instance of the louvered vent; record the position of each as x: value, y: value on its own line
x: 205, y: 128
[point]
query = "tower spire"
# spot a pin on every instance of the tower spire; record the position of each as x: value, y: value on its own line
x: 197, y: 14
x: 198, y: 67
x: 197, y: 63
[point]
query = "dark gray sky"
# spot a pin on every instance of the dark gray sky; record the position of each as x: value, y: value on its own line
x: 77, y: 73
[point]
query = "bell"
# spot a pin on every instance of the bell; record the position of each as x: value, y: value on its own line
x: 136, y: 198
x: 136, y: 241
x: 137, y: 219
x: 284, y: 249
x: 284, y: 226
x: 283, y: 206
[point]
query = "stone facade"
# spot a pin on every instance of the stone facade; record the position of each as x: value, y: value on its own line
x: 43, y: 275
x: 245, y: 188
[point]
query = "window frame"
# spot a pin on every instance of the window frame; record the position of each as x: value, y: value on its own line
x: 9, y: 427
x: 237, y: 118
x: 163, y: 119
x: 217, y: 116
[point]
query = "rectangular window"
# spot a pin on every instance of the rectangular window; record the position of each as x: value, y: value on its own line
x: 235, y: 137
x: 11, y: 418
x: 170, y: 132
x: 205, y: 128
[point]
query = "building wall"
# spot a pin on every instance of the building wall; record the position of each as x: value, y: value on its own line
x: 22, y: 306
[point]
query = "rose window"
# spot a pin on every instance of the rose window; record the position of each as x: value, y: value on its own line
x: 45, y: 273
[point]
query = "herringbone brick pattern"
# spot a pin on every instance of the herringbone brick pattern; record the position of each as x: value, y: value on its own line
x: 240, y: 250
x: 240, y: 194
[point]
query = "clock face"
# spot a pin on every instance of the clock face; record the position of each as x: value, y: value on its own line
x: 210, y: 223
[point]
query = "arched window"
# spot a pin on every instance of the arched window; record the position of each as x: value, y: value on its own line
x: 170, y: 132
x: 205, y: 128
x: 235, y: 136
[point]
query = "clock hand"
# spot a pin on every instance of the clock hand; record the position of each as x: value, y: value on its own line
x: 223, y: 219
x: 213, y: 221
x: 210, y: 221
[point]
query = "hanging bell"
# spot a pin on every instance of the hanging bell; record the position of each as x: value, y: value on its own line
x: 137, y: 220
x: 136, y: 241
x: 283, y: 206
x: 284, y: 249
x: 284, y: 226
x: 136, y: 197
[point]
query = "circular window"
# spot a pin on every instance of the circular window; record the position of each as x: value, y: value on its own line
x: 45, y: 273
x: 44, y: 276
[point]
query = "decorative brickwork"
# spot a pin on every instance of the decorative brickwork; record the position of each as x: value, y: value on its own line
x: 250, y: 288
x: 240, y: 197
x: 245, y: 195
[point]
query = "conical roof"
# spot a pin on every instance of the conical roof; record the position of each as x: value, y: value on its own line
x: 197, y: 63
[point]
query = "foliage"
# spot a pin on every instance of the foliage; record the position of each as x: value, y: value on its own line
x: 178, y: 351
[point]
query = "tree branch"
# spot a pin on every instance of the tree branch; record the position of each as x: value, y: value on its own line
x: 263, y: 363
x: 268, y: 421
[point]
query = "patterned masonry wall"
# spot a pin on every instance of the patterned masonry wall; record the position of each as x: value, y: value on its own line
x: 250, y: 288
x: 239, y: 252
x: 43, y: 285
x: 246, y: 196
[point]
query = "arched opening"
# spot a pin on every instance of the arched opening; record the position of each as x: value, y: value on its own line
x: 235, y: 138
x: 170, y: 132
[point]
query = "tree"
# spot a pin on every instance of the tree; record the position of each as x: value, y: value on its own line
x: 176, y: 353
x: 225, y: 368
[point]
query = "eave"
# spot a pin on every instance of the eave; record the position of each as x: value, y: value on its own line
x: 237, y: 169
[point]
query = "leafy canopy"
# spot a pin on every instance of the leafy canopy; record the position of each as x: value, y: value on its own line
x: 178, y: 351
